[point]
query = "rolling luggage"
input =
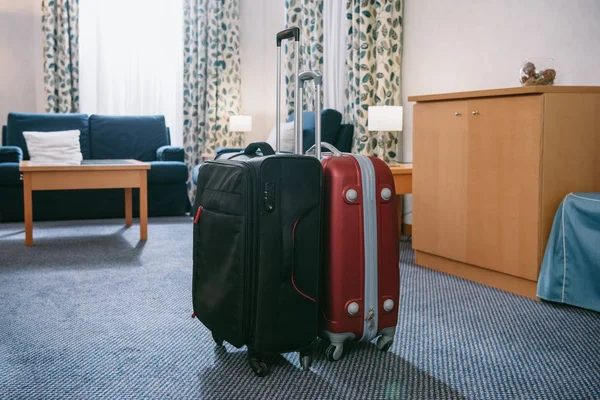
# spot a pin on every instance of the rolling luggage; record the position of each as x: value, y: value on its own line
x: 360, y: 283
x: 360, y: 271
x: 256, y: 250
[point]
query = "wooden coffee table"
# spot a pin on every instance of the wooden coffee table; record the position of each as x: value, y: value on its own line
x: 91, y: 174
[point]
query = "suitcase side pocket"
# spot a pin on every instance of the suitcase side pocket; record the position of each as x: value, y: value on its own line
x: 219, y: 273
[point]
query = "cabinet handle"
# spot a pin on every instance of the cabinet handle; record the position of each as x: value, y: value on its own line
x: 457, y: 114
x: 475, y: 113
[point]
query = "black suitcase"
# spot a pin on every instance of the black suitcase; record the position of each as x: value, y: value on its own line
x: 256, y: 252
x: 257, y: 238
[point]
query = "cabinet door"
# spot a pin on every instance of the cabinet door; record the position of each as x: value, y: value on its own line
x: 439, y: 180
x: 503, y: 161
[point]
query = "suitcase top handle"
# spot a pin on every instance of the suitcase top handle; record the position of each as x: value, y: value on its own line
x: 311, y: 75
x: 293, y: 32
x: 265, y: 147
x: 334, y: 151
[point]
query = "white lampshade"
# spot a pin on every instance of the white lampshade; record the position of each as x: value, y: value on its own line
x: 385, y: 118
x: 240, y: 123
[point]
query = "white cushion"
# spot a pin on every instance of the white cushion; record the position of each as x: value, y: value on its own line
x: 287, y: 137
x: 58, y: 147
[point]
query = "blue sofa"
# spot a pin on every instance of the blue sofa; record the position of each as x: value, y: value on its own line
x: 332, y: 131
x: 144, y: 138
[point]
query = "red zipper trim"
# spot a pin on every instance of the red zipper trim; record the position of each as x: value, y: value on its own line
x: 293, y: 282
x: 198, y: 214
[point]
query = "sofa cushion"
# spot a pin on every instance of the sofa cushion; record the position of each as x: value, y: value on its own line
x: 19, y: 122
x: 10, y: 174
x: 167, y: 172
x: 287, y: 137
x: 127, y: 137
x: 61, y: 147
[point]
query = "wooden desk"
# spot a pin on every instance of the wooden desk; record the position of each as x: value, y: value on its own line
x: 403, y: 182
x: 91, y: 174
x: 402, y: 177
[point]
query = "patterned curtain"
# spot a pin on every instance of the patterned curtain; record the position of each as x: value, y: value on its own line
x: 374, y: 70
x: 308, y: 16
x: 211, y: 77
x: 60, y: 25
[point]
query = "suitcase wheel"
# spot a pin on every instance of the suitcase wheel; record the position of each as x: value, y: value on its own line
x: 259, y: 367
x: 384, y: 343
x: 334, y: 352
x: 217, y: 339
x: 305, y: 361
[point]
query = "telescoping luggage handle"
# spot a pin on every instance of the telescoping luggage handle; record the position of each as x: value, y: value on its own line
x: 317, y: 78
x: 290, y: 33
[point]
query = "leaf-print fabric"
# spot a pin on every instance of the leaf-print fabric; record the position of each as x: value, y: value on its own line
x: 60, y: 26
x: 308, y: 16
x: 374, y: 70
x: 212, y: 80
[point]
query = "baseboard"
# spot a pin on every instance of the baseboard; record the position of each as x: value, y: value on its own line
x: 407, y: 229
x: 498, y: 280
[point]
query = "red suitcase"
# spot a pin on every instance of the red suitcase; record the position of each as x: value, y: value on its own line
x: 361, y: 278
x: 360, y: 285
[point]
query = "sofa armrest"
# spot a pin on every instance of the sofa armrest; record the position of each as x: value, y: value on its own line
x: 170, y: 153
x: 12, y: 154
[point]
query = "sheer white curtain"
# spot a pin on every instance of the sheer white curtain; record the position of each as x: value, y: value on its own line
x: 131, y: 59
x: 335, y: 28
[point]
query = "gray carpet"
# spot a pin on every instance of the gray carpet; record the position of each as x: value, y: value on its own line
x: 90, y: 312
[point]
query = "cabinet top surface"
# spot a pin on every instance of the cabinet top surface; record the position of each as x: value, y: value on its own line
x: 506, y: 92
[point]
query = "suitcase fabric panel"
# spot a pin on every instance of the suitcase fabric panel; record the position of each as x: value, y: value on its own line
x: 289, y: 248
x: 221, y: 247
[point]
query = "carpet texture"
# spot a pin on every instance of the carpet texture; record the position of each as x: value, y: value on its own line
x: 91, y: 312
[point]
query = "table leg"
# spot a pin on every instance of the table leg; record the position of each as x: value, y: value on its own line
x: 27, y: 201
x: 128, y: 207
x: 143, y: 206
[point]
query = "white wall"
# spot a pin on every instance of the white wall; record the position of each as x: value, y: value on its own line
x: 21, y: 68
x: 462, y: 45
x: 260, y: 20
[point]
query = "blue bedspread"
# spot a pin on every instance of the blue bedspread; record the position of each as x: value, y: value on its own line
x: 570, y: 270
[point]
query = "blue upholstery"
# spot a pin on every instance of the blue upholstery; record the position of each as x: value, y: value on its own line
x: 103, y: 137
x: 20, y: 122
x: 117, y: 137
x: 10, y: 175
x: 570, y: 271
x: 170, y: 153
x: 167, y: 172
x: 11, y: 154
x: 345, y: 135
x: 332, y: 131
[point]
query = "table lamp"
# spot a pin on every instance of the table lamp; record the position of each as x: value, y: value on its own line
x: 240, y: 123
x: 385, y: 118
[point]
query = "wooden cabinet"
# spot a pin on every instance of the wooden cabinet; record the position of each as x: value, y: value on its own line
x: 440, y: 218
x: 490, y: 169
